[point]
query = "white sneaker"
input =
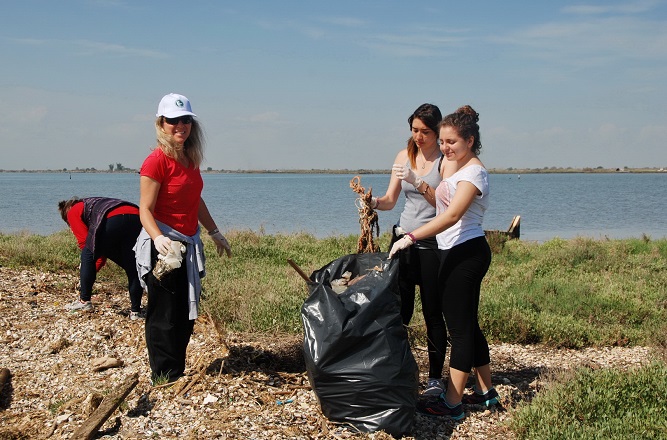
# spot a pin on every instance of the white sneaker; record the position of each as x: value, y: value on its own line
x: 80, y: 306
x: 137, y: 315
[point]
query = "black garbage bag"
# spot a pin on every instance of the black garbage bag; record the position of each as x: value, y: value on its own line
x: 356, y: 349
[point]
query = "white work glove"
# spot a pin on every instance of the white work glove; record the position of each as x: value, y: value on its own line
x: 221, y: 243
x: 404, y: 172
x: 374, y: 202
x: 162, y: 244
x: 401, y: 244
x: 174, y: 257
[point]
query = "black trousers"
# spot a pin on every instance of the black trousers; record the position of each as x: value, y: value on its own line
x: 168, y: 326
x: 418, y: 266
x: 115, y: 240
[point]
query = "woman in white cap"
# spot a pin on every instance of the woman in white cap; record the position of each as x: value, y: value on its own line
x: 171, y: 208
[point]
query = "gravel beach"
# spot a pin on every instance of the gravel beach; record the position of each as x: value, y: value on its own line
x: 237, y: 386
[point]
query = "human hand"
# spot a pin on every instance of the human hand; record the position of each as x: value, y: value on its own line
x: 404, y: 172
x: 162, y: 244
x: 374, y: 202
x: 221, y: 243
x: 401, y: 244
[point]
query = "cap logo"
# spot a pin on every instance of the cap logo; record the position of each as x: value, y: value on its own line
x: 179, y: 103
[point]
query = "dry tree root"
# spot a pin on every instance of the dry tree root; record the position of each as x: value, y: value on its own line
x: 368, y: 218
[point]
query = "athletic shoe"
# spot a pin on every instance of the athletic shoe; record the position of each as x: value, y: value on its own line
x: 439, y: 408
x: 434, y: 387
x: 80, y: 306
x: 137, y: 315
x: 489, y: 398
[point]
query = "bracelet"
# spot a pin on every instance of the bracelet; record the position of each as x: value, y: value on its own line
x: 425, y: 189
x: 412, y: 237
x: 215, y: 231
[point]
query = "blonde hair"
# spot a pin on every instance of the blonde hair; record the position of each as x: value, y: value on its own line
x: 193, y: 148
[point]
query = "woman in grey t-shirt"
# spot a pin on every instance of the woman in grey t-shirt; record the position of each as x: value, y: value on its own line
x: 416, y: 174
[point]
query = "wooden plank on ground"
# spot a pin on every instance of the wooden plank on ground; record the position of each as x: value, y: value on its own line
x: 107, y: 407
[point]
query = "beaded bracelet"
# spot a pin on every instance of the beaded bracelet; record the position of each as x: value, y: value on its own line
x: 425, y: 189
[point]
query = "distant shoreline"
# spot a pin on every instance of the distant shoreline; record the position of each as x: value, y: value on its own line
x: 545, y: 170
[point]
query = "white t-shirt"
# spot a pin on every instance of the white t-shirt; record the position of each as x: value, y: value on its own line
x: 470, y: 225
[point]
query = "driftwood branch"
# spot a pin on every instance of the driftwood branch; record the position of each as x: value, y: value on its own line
x: 193, y: 381
x: 4, y: 377
x: 106, y: 408
x: 299, y: 271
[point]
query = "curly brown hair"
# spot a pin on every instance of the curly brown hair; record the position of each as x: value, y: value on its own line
x: 465, y: 122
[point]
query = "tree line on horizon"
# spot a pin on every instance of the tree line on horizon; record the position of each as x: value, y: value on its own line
x: 119, y: 167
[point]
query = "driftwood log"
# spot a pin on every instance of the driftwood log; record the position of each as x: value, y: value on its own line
x: 498, y: 238
x: 4, y: 377
x: 106, y: 408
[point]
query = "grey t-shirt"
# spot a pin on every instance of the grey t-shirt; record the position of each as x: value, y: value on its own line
x: 417, y: 211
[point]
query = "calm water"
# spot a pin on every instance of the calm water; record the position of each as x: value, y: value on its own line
x: 619, y: 205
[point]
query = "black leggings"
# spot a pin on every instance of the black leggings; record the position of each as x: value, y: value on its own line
x: 115, y: 240
x: 461, y: 272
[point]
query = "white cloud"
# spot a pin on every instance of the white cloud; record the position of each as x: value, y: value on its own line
x: 607, y: 131
x: 627, y: 8
x: 264, y: 118
x: 411, y: 45
x: 99, y: 48
x: 592, y: 42
x: 88, y: 48
x: 347, y: 22
x: 26, y: 115
x: 652, y: 132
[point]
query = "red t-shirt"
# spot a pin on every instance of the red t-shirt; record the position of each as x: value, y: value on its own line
x: 80, y: 229
x: 177, y: 203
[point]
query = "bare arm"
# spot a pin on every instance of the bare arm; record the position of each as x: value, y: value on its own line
x: 221, y: 244
x: 389, y: 199
x: 205, y: 217
x: 149, y: 189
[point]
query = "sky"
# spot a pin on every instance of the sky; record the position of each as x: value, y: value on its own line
x: 330, y: 84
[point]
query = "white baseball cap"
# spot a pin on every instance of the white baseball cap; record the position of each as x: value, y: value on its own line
x: 174, y: 105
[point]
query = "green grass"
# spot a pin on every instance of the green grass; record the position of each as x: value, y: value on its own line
x: 577, y: 293
x: 257, y: 290
x: 603, y: 404
x: 562, y: 293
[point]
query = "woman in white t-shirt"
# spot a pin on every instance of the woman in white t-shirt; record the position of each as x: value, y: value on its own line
x: 461, y: 200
